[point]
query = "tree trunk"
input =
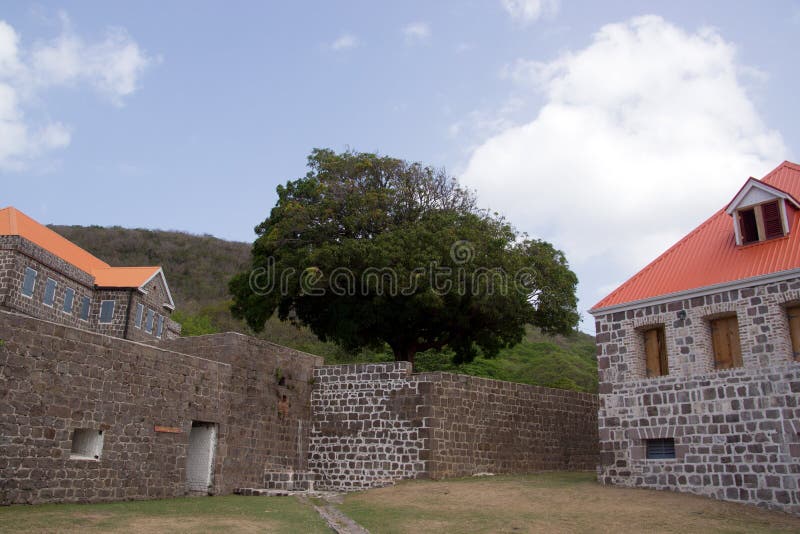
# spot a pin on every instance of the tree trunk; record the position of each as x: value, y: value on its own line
x: 404, y: 353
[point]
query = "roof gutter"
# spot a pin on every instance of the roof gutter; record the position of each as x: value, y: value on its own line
x: 698, y: 292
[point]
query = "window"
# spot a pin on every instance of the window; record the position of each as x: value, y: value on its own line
x: 29, y: 283
x: 160, y: 329
x: 87, y: 444
x: 794, y: 330
x: 655, y: 348
x: 139, y: 314
x: 748, y: 226
x: 761, y: 222
x: 660, y: 449
x: 49, y: 292
x: 69, y: 297
x: 106, y: 311
x: 725, y: 341
x: 86, y: 304
x: 148, y: 325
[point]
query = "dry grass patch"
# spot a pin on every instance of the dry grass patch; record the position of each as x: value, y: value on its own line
x: 553, y: 502
x: 196, y: 515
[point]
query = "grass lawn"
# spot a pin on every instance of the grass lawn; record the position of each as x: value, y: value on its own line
x: 194, y: 514
x: 553, y: 502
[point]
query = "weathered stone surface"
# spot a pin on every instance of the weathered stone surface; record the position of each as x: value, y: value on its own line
x: 282, y: 421
x: 736, y: 431
x: 17, y: 253
x: 377, y: 423
x: 54, y: 379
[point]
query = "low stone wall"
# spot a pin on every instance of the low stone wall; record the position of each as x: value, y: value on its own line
x: 481, y: 425
x: 56, y: 379
x: 377, y: 423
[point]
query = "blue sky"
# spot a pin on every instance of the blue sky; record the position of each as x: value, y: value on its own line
x: 608, y: 128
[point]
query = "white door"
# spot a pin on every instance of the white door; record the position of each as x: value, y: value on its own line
x: 200, y: 456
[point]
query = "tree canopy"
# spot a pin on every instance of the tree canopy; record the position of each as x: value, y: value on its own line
x: 368, y: 249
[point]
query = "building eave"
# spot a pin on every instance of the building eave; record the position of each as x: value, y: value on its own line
x: 698, y: 292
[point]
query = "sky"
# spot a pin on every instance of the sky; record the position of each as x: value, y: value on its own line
x: 610, y: 129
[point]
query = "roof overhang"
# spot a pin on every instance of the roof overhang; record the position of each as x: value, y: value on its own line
x: 752, y: 183
x: 698, y: 292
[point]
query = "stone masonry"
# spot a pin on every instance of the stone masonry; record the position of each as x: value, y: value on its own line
x: 276, y: 416
x: 17, y: 253
x: 377, y: 423
x: 55, y: 380
x: 736, y: 431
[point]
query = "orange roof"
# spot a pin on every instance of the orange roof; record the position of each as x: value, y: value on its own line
x: 709, y: 256
x: 124, y: 276
x: 14, y: 222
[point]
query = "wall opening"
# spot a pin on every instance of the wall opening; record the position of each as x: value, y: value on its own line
x: 200, y: 456
x: 87, y: 444
x: 660, y: 449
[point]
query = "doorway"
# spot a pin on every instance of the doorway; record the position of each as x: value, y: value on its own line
x: 200, y: 457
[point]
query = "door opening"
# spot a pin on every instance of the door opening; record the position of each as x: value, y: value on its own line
x: 200, y: 456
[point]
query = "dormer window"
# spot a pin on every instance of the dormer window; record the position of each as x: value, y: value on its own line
x: 761, y: 212
x: 762, y: 222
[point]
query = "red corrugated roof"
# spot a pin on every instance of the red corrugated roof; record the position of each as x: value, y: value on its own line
x: 708, y: 255
x: 14, y: 222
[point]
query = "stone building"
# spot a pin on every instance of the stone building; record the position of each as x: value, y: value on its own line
x: 698, y: 357
x: 46, y: 276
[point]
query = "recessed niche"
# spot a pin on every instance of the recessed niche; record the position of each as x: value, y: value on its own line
x: 87, y: 444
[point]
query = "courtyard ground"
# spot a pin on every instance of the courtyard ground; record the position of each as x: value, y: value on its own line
x: 552, y: 502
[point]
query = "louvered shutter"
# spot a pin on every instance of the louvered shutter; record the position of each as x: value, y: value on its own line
x: 773, y: 227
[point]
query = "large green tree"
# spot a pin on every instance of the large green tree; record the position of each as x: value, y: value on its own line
x: 367, y: 250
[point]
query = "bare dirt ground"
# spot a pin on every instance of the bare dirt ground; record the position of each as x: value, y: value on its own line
x: 553, y: 503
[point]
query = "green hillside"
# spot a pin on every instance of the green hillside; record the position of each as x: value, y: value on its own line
x: 198, y: 268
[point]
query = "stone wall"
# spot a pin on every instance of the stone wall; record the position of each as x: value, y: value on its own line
x: 368, y: 427
x: 736, y: 431
x: 481, y: 425
x: 56, y: 379
x: 20, y: 253
x: 376, y: 423
x: 269, y: 409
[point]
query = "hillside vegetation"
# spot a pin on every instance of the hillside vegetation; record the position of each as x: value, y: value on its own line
x: 198, y: 268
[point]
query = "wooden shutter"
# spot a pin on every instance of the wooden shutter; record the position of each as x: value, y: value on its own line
x: 794, y: 330
x: 725, y: 340
x: 773, y: 226
x: 662, y: 352
x: 655, y: 348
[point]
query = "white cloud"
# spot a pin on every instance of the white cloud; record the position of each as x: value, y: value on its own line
x: 417, y: 32
x: 528, y: 11
x: 112, y: 67
x: 642, y: 135
x: 344, y: 42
